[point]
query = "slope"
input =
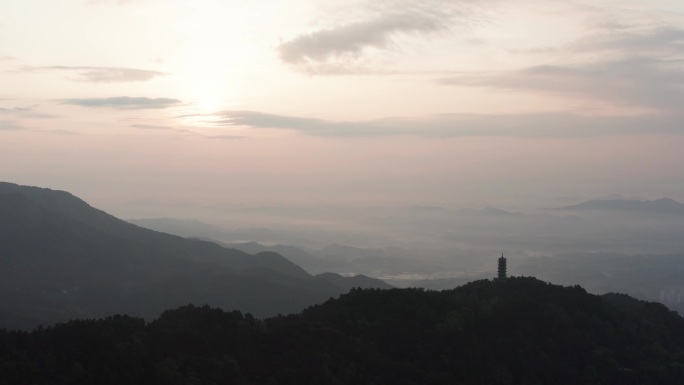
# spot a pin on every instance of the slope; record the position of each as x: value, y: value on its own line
x: 62, y: 259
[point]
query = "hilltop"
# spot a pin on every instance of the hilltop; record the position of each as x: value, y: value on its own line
x: 519, y: 331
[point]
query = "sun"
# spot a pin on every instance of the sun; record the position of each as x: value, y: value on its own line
x: 211, y: 73
x: 208, y: 104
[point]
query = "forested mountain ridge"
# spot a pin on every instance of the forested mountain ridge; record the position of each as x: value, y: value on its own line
x: 517, y: 331
x: 60, y: 259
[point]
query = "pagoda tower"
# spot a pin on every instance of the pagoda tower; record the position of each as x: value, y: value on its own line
x: 502, y: 268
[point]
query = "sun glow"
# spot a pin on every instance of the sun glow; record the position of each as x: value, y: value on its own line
x: 208, y: 104
x: 218, y: 45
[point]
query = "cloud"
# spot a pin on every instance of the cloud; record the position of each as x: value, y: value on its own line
x: 366, y: 37
x: 460, y: 125
x: 309, y: 126
x: 223, y: 137
x: 8, y: 125
x: 25, y: 112
x: 638, y: 81
x: 190, y: 133
x: 62, y: 132
x: 124, y: 102
x: 341, y: 49
x: 661, y: 40
x: 100, y: 74
x: 351, y: 39
x: 151, y: 127
x: 625, y: 61
x: 14, y: 110
x: 119, y: 2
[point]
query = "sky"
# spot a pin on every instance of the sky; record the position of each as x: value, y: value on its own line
x: 357, y: 102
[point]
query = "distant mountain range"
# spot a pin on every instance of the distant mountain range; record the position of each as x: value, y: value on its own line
x: 60, y: 258
x: 658, y: 206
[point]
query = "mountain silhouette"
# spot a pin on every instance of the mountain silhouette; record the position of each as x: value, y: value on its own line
x: 517, y: 331
x: 358, y: 281
x: 60, y: 258
x: 311, y: 263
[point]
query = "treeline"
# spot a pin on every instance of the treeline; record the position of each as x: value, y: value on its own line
x: 518, y: 331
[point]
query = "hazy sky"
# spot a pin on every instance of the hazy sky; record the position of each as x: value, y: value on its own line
x: 347, y: 102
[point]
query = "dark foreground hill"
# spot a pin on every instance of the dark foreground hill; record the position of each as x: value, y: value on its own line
x: 61, y: 259
x: 520, y: 331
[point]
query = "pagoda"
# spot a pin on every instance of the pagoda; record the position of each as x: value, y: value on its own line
x: 502, y: 268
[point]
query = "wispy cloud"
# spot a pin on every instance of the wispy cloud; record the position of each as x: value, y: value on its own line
x: 14, y: 110
x: 223, y: 137
x: 368, y: 36
x: 658, y: 40
x: 626, y: 64
x: 309, y: 126
x: 9, y: 125
x: 189, y: 133
x: 460, y: 125
x: 351, y: 39
x: 62, y: 132
x: 637, y: 81
x: 119, y: 2
x: 100, y: 74
x: 150, y: 127
x: 25, y: 112
x: 626, y: 60
x: 124, y: 102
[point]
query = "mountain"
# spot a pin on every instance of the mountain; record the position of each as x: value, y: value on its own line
x: 517, y: 331
x: 309, y: 262
x: 658, y: 206
x: 338, y: 251
x: 616, y: 197
x: 648, y: 277
x: 60, y: 258
x: 180, y: 227
x: 489, y: 212
x: 357, y: 281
